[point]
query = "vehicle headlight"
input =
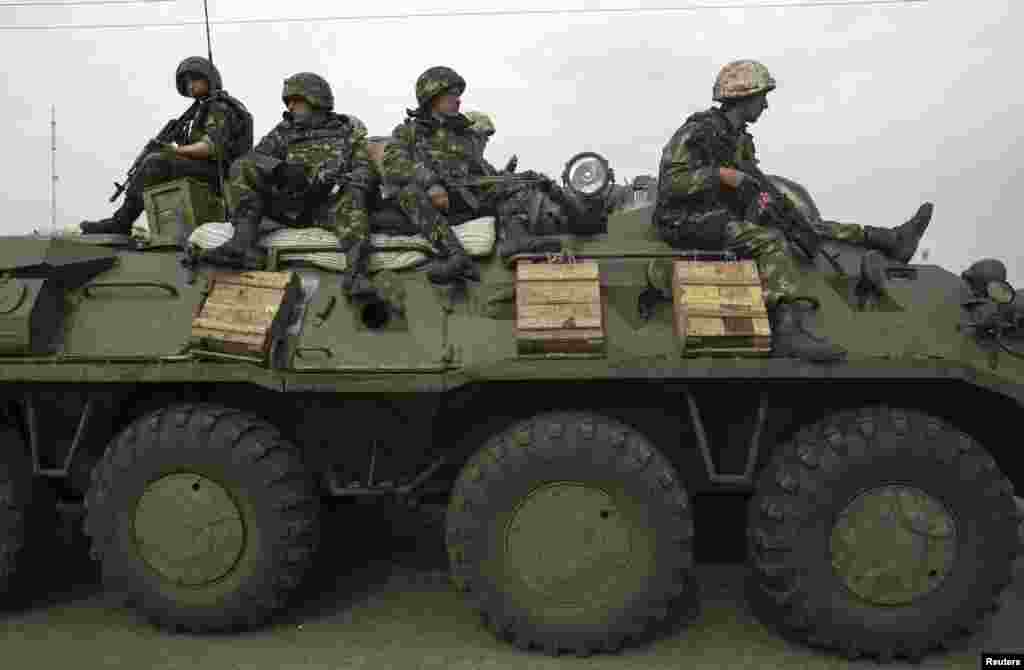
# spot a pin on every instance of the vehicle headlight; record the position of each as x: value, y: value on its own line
x: 588, y: 175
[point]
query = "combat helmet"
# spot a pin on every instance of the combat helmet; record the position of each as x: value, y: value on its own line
x: 436, y: 81
x: 741, y: 79
x: 480, y: 123
x: 197, y: 65
x: 312, y: 88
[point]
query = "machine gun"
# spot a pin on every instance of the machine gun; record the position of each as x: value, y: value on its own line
x: 169, y: 133
x: 777, y: 210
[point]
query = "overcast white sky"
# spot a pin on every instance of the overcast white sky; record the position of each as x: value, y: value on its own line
x: 878, y: 108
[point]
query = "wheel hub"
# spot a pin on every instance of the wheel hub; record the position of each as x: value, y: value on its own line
x: 893, y: 544
x: 188, y: 529
x: 568, y: 543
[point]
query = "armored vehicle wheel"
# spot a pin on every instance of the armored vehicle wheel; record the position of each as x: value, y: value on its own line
x: 880, y: 532
x: 204, y: 517
x: 570, y: 532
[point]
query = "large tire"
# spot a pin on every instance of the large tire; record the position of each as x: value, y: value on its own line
x: 923, y: 569
x: 612, y: 487
x: 203, y: 468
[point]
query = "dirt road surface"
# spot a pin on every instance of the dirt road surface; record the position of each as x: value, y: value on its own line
x: 381, y: 600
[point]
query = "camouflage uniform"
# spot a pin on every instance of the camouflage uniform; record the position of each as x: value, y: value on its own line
x: 483, y: 126
x: 694, y: 211
x: 220, y: 121
x: 330, y: 151
x: 429, y: 150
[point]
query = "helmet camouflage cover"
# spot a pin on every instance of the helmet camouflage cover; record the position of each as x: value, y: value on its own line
x: 481, y: 123
x: 740, y: 79
x: 436, y: 81
x: 312, y: 88
x: 197, y: 65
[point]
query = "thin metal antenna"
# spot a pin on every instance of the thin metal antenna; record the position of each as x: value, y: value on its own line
x: 209, y: 48
x: 53, y: 169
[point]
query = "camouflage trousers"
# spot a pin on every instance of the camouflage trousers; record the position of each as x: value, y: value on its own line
x: 774, y: 254
x: 509, y: 206
x: 156, y: 168
x: 252, y: 193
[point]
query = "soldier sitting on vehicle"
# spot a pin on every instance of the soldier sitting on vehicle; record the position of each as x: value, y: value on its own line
x: 706, y: 201
x: 432, y: 160
x: 483, y: 126
x: 215, y: 131
x: 312, y: 169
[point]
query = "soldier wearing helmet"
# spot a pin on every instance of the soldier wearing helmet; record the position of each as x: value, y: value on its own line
x: 434, y: 150
x: 216, y: 130
x: 705, y: 201
x: 312, y: 169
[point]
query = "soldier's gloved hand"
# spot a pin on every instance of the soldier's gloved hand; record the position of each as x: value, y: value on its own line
x: 438, y: 196
x: 292, y: 177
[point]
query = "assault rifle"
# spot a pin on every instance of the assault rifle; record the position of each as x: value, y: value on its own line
x: 169, y: 133
x: 778, y: 212
x: 781, y: 213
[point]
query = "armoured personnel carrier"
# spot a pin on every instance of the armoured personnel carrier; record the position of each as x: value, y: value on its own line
x: 568, y: 410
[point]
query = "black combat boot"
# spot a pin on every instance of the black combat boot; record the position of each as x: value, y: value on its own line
x: 240, y: 251
x: 791, y: 340
x: 516, y: 240
x: 900, y: 243
x: 355, y: 280
x: 456, y: 265
x: 117, y: 224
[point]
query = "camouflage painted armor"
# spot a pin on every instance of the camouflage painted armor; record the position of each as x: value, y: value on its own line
x: 332, y: 150
x: 693, y: 211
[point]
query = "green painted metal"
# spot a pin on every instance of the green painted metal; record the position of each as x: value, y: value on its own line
x: 572, y: 549
x: 893, y: 545
x: 127, y: 317
x: 188, y: 529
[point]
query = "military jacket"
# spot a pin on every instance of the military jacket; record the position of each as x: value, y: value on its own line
x: 688, y: 185
x: 427, y: 150
x: 331, y: 147
x: 212, y: 124
x: 328, y: 144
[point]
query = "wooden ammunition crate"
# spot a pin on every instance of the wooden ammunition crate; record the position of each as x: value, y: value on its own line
x: 245, y: 312
x: 198, y: 205
x: 719, y: 308
x: 559, y: 309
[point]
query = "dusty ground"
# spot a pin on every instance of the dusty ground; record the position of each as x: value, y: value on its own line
x: 384, y: 603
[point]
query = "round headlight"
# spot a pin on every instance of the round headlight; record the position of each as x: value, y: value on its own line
x: 587, y: 174
x: 1000, y: 292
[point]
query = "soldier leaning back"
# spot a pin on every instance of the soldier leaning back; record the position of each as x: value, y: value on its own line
x: 434, y: 150
x: 705, y: 201
x: 218, y: 132
x: 312, y: 169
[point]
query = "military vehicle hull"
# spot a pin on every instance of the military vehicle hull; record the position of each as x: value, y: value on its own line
x: 569, y: 479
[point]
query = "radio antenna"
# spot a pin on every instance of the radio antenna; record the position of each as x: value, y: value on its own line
x: 209, y: 48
